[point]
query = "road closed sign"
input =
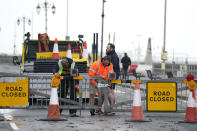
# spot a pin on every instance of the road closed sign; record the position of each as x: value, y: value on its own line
x: 14, y: 94
x: 161, y: 96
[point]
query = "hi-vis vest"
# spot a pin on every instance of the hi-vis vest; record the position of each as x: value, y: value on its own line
x: 97, y: 69
x: 67, y: 71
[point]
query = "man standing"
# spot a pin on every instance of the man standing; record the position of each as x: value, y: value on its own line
x: 110, y: 51
x: 100, y: 68
x: 65, y: 67
x: 126, y: 62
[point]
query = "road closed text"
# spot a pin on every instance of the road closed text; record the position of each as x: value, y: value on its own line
x: 163, y: 96
x: 13, y: 92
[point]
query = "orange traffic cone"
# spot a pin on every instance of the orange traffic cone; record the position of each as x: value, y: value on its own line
x: 191, y: 112
x: 85, y: 51
x: 53, y: 109
x: 137, y: 112
x: 69, y: 55
x: 55, y: 50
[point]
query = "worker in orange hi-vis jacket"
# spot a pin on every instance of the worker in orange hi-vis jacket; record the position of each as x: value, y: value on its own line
x: 100, y: 68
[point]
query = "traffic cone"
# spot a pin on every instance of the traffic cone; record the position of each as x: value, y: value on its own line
x: 69, y: 55
x: 137, y: 112
x: 85, y: 51
x: 55, y: 50
x: 191, y: 111
x: 53, y: 109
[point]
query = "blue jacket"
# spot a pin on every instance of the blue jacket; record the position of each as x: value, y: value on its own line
x: 115, y: 62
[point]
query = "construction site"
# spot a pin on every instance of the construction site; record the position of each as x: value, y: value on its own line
x: 59, y: 74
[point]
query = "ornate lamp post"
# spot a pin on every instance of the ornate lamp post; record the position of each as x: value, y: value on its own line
x: 24, y: 20
x: 102, y: 28
x: 46, y: 5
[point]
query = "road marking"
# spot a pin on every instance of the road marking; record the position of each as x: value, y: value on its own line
x: 8, y: 117
x: 13, y: 125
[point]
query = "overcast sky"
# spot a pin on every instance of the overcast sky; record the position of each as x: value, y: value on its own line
x: 133, y: 21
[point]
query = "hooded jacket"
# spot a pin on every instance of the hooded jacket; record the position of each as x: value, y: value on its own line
x: 115, y: 62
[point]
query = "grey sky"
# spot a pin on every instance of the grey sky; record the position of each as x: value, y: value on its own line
x: 133, y: 21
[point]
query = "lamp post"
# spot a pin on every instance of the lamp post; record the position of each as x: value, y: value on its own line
x: 24, y: 20
x: 164, y: 52
x: 102, y: 28
x: 67, y: 36
x: 46, y: 5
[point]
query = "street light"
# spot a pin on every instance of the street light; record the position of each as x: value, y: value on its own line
x: 67, y: 36
x: 164, y: 52
x: 102, y: 28
x: 46, y: 5
x: 24, y: 20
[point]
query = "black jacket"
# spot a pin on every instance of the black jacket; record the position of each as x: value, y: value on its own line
x: 126, y: 61
x: 115, y: 62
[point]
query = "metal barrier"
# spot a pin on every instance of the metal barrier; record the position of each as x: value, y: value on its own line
x: 40, y: 87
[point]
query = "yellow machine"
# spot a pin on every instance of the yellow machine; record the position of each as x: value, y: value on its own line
x: 36, y: 59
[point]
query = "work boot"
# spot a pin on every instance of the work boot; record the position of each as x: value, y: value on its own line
x: 99, y: 112
x: 73, y: 115
x: 92, y: 112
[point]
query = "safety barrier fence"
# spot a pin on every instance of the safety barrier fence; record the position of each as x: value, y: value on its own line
x: 40, y: 89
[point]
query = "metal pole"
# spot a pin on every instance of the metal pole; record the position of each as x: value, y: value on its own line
x: 102, y: 29
x: 96, y: 46
x: 45, y: 6
x: 23, y: 29
x: 67, y: 20
x: 32, y: 25
x: 164, y: 40
x: 165, y: 25
x: 93, y: 47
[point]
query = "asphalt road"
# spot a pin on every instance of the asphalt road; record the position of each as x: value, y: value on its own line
x: 29, y: 120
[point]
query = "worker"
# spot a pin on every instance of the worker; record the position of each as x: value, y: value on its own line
x: 65, y: 67
x: 110, y: 51
x: 100, y: 68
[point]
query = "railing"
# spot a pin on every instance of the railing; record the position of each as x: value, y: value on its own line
x: 40, y: 90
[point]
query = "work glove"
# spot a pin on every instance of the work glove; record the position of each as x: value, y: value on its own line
x: 76, y: 86
x: 112, y: 75
x: 57, y: 75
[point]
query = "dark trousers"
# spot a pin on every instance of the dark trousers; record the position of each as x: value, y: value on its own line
x: 125, y: 72
x: 68, y: 83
